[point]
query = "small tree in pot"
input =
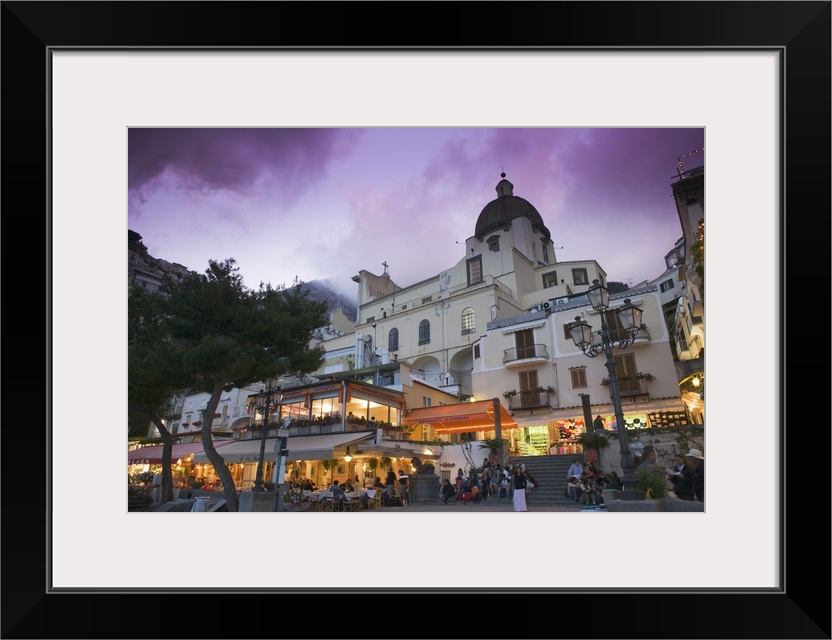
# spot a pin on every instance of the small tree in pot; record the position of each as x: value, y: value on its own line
x: 495, y: 447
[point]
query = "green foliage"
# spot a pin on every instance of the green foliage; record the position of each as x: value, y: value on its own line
x: 652, y: 480
x: 372, y: 465
x: 494, y: 445
x: 649, y: 377
x: 210, y: 333
x: 386, y: 463
x: 617, y: 287
x: 329, y: 465
x: 146, y: 477
x: 594, y: 440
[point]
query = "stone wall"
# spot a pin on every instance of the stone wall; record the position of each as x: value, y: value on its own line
x: 424, y: 488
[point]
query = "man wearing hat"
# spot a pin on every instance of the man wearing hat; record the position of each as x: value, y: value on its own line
x: 698, y: 479
x: 683, y: 481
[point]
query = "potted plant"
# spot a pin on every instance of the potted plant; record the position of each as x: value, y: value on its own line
x: 372, y: 465
x: 495, y: 447
x: 649, y: 377
x: 386, y: 463
x: 593, y: 440
x: 652, y: 481
x: 510, y: 394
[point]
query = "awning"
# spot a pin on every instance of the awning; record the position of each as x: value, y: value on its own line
x: 153, y: 455
x: 242, y: 451
x: 319, y: 447
x: 322, y: 447
x: 461, y: 417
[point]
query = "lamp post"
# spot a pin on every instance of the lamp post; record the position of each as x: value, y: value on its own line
x: 264, y: 402
x: 581, y: 334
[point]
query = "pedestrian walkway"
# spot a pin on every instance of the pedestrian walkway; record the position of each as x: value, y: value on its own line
x: 487, y: 506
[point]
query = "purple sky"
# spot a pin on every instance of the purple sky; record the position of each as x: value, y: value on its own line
x: 321, y: 204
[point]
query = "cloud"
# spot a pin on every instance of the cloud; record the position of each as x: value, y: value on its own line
x: 203, y: 162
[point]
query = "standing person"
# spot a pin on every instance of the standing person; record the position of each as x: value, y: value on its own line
x: 403, y: 479
x: 519, y: 481
x: 698, y: 459
x: 508, y: 472
x: 598, y: 423
x: 390, y: 486
x: 495, y: 476
x: 460, y: 479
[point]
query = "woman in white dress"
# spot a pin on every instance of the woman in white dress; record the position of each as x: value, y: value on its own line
x: 519, y: 482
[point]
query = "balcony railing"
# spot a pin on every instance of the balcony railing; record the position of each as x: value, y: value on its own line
x: 642, y: 336
x: 530, y: 400
x: 627, y: 388
x: 311, y: 428
x: 529, y: 352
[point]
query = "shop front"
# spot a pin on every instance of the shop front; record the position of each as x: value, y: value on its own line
x: 182, y: 459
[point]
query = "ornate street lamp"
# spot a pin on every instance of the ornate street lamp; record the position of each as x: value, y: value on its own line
x: 582, y: 335
x: 263, y: 402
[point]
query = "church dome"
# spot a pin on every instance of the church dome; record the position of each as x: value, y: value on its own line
x: 499, y: 213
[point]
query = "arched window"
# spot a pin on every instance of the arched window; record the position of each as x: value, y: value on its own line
x: 424, y: 332
x: 468, y: 323
x: 393, y: 340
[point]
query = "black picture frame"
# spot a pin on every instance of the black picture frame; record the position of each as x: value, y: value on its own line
x: 30, y: 30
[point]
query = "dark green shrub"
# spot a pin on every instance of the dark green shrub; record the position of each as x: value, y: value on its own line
x: 652, y: 481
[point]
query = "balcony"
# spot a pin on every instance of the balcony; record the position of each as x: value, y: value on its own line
x: 532, y: 400
x: 520, y: 356
x: 630, y: 388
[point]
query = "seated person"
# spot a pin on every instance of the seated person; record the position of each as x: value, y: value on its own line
x: 574, y: 488
x: 337, y: 494
x: 592, y: 495
x: 448, y: 491
x: 502, y: 491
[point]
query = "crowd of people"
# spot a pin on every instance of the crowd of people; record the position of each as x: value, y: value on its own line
x: 507, y: 482
x: 585, y: 484
x: 686, y: 477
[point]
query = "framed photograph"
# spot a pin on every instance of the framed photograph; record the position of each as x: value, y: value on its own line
x: 76, y: 76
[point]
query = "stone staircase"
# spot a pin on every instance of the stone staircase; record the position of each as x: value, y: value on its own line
x: 550, y: 472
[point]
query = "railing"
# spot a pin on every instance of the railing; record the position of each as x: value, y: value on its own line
x: 530, y: 400
x: 525, y: 353
x: 632, y: 388
x: 642, y: 336
x: 313, y: 428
